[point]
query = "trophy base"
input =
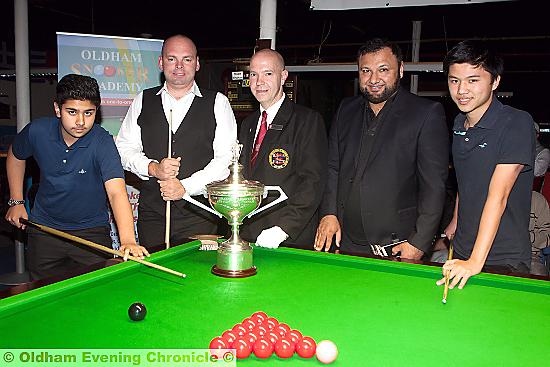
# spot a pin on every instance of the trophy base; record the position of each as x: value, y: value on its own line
x: 234, y: 260
x: 233, y: 273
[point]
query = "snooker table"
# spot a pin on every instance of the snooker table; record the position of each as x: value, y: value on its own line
x: 378, y: 312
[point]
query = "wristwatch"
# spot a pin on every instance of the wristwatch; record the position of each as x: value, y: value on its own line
x: 13, y: 202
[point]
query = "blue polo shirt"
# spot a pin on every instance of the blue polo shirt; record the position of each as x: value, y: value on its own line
x: 503, y: 135
x: 71, y: 194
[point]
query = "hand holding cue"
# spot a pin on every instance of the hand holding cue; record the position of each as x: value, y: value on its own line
x: 447, y: 273
x: 167, y: 214
x: 97, y: 246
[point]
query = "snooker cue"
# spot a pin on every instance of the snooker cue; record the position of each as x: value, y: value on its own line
x: 447, y: 273
x: 167, y: 216
x: 97, y: 246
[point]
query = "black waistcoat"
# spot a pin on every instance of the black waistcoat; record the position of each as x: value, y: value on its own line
x: 192, y: 141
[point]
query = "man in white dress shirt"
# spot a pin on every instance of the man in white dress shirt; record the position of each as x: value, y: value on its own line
x: 203, y: 133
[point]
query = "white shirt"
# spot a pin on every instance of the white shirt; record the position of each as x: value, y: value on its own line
x: 274, y: 236
x: 130, y: 146
x: 271, y: 112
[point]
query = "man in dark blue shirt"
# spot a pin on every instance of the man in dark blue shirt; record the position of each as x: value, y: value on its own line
x: 493, y: 154
x: 79, y: 169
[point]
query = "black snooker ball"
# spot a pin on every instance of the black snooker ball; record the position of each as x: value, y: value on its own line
x: 137, y: 311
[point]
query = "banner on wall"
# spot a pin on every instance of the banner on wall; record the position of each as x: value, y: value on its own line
x: 123, y: 67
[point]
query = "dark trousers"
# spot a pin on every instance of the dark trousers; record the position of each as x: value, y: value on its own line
x: 151, y: 227
x: 49, y: 255
x: 348, y: 246
x: 519, y: 268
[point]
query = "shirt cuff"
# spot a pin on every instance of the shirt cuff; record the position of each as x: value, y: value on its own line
x: 143, y: 169
x: 192, y: 190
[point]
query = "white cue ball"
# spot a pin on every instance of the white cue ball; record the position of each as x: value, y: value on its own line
x: 326, y: 351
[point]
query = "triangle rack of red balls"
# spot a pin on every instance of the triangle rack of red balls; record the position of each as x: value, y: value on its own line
x: 264, y: 335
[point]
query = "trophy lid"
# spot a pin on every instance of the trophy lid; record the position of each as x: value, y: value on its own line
x: 236, y: 181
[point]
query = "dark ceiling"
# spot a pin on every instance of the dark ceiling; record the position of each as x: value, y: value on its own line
x: 225, y: 30
x: 228, y: 29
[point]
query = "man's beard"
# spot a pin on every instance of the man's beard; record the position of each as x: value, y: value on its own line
x: 387, y: 93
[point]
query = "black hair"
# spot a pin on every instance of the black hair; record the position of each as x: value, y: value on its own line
x: 77, y: 87
x: 376, y: 44
x: 476, y: 53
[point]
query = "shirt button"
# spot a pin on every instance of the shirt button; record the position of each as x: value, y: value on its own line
x: 67, y: 151
x: 64, y: 161
x: 467, y: 139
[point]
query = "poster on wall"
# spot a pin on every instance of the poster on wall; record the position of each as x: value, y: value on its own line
x: 123, y: 67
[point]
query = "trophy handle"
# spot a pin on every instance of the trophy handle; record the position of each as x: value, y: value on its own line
x: 189, y: 199
x: 282, y: 197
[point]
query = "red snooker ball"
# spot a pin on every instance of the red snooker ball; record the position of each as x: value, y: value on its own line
x: 239, y: 330
x: 218, y: 343
x: 242, y: 347
x: 263, y: 348
x: 284, y: 348
x: 260, y: 330
x: 249, y: 323
x: 251, y: 337
x: 229, y: 336
x: 294, y: 336
x: 272, y: 336
x: 272, y: 323
x: 259, y: 317
x: 282, y: 329
x: 305, y: 348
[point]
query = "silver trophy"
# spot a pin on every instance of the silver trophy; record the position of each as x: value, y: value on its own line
x: 236, y: 199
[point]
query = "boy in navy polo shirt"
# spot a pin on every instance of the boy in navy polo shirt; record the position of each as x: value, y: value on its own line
x: 79, y: 169
x: 493, y: 154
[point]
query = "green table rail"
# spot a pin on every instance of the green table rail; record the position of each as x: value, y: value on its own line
x: 378, y: 312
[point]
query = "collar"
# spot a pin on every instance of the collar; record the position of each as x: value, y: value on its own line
x: 272, y: 110
x: 194, y: 89
x: 82, y: 142
x: 487, y: 121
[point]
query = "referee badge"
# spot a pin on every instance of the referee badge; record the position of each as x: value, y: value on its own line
x: 278, y: 158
